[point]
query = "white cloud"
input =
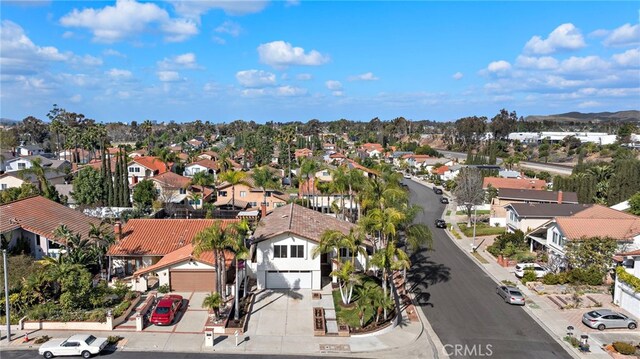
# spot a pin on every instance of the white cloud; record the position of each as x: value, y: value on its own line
x: 128, y: 18
x: 599, y: 33
x: 194, y: 9
x: 629, y: 58
x: 458, y: 75
x: 280, y: 54
x: 253, y: 92
x: 87, y: 60
x: 583, y: 64
x: 564, y: 37
x: 219, y: 40
x: 255, y: 78
x: 112, y: 52
x: 68, y: 35
x: 304, y: 77
x: 229, y: 27
x: 587, y: 104
x: 184, y: 61
x: 367, y: 76
x: 168, y: 76
x: 333, y: 85
x: 337, y: 93
x: 499, y: 67
x: 119, y: 73
x: 625, y: 35
x: 537, y: 63
x: 76, y: 98
x: 290, y: 91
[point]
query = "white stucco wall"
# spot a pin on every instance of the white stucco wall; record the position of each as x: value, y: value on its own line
x: 266, y: 261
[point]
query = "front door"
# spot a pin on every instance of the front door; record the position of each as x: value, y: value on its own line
x: 325, y: 265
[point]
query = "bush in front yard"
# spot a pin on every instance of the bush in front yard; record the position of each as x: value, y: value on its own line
x: 590, y: 276
x: 624, y: 348
x: 529, y: 276
x: 120, y: 308
x: 556, y: 278
x: 164, y: 289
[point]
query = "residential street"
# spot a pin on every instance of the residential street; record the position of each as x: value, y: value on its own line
x: 23, y: 354
x: 461, y: 304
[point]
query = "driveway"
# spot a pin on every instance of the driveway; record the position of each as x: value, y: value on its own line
x: 282, y: 313
x: 191, y: 318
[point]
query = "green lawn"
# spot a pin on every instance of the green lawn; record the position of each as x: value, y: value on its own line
x: 448, y: 212
x: 349, y: 316
x: 482, y: 211
x: 482, y: 229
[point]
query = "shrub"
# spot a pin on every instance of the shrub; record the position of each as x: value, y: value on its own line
x: 120, y: 289
x: 120, y: 308
x: 113, y: 339
x: 624, y: 348
x: 572, y: 340
x: 98, y: 315
x: 524, y: 257
x: 556, y: 278
x: 164, y: 289
x: 42, y: 339
x: 590, y: 276
x: 529, y: 276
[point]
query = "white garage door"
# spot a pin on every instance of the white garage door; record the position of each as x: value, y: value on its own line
x: 288, y: 279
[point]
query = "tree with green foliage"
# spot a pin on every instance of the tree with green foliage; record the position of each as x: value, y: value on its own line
x: 264, y: 179
x: 117, y: 183
x: 468, y: 190
x: 634, y: 204
x: 38, y: 171
x: 87, y: 187
x: 503, y: 123
x: 144, y: 193
x: 109, y: 182
x: 124, y: 180
x: 233, y: 178
x: 15, y: 193
x: 595, y: 252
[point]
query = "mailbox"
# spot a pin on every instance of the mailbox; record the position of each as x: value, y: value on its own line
x: 208, y: 338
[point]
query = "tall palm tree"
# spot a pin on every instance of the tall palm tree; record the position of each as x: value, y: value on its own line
x: 216, y: 239
x: 388, y: 259
x: 287, y: 135
x: 40, y: 173
x: 263, y: 178
x: 202, y: 179
x: 347, y: 280
x: 241, y: 252
x: 167, y: 157
x: 355, y: 180
x: 101, y: 238
x: 234, y: 178
x: 340, y: 183
x: 308, y: 168
x: 382, y: 303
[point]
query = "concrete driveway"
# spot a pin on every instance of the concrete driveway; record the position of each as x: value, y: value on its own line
x: 191, y: 318
x: 282, y: 313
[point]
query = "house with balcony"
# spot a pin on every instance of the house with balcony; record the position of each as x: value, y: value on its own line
x: 35, y: 219
x: 594, y: 221
x: 625, y: 294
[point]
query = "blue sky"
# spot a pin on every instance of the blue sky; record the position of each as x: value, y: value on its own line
x: 297, y: 60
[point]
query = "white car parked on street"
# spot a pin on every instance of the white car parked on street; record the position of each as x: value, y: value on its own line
x: 538, y: 269
x: 80, y: 344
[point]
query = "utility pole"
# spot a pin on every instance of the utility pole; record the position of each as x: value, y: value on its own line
x: 475, y: 219
x: 6, y: 295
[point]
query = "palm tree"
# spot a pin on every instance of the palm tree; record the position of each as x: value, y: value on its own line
x: 102, y: 238
x: 241, y: 252
x: 417, y: 235
x: 382, y: 303
x: 366, y: 300
x: 40, y: 173
x: 202, y: 179
x: 263, y: 178
x: 347, y: 279
x: 340, y: 183
x: 389, y: 258
x: 355, y: 180
x: 167, y: 156
x: 234, y: 178
x: 216, y: 239
x: 287, y: 135
x: 195, y: 198
x: 308, y: 168
x: 213, y: 301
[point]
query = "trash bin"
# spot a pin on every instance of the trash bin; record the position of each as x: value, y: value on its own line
x: 208, y: 338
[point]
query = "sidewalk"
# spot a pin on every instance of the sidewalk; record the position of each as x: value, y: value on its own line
x: 385, y: 345
x: 542, y: 311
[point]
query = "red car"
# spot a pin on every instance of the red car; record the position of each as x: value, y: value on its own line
x: 166, y: 310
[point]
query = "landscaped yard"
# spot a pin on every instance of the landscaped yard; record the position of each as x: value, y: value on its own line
x: 350, y: 315
x: 482, y: 229
x: 482, y: 211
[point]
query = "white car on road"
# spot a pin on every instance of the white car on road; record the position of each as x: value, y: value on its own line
x: 80, y: 344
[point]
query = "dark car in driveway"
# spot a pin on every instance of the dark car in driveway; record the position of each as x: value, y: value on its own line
x: 440, y: 223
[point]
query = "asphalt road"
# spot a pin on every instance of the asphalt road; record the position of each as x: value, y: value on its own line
x: 28, y: 354
x: 538, y: 166
x: 459, y: 300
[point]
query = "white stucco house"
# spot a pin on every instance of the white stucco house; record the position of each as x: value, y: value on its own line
x: 624, y: 294
x: 282, y: 253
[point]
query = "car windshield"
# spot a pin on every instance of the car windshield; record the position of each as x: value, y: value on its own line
x: 90, y: 339
x: 594, y: 314
x: 162, y: 310
x: 515, y: 292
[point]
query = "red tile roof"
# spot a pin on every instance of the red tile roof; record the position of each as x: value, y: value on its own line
x: 300, y: 221
x: 600, y: 221
x: 42, y: 216
x: 158, y: 237
x: 515, y: 183
x: 441, y: 170
x: 205, y: 163
x: 170, y: 179
x: 337, y: 155
x: 302, y: 152
x: 372, y: 146
x: 153, y: 163
x: 183, y: 254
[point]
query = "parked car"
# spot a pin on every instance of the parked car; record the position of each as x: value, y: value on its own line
x: 166, y: 310
x: 444, y: 200
x: 538, y: 269
x: 437, y: 190
x: 511, y: 295
x: 406, y: 175
x: 440, y: 223
x: 80, y: 344
x: 602, y: 319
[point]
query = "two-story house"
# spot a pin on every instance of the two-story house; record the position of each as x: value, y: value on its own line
x: 35, y: 219
x: 594, y: 221
x: 282, y: 253
x: 247, y: 195
x: 23, y: 163
x: 204, y: 165
x: 176, y: 189
x: 145, y: 167
x: 507, y: 196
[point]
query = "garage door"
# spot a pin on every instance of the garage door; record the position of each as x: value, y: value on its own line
x: 193, y: 281
x: 288, y: 279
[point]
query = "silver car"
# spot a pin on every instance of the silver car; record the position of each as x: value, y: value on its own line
x: 602, y: 319
x: 511, y: 295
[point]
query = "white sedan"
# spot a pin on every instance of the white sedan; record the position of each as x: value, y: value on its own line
x: 80, y: 344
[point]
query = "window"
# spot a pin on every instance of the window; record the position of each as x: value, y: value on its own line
x: 243, y: 194
x: 183, y: 191
x: 134, y: 169
x: 345, y: 253
x: 4, y: 186
x: 222, y: 193
x: 38, y: 240
x: 297, y: 251
x: 22, y: 165
x: 279, y: 251
x: 253, y: 204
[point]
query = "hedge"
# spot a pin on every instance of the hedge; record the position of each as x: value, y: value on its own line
x: 628, y: 278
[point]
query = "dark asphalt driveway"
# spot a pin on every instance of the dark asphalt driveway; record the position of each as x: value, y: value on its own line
x: 460, y: 301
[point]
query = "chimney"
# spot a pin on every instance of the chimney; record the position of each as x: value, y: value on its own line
x: 559, y: 197
x: 263, y: 210
x: 117, y: 230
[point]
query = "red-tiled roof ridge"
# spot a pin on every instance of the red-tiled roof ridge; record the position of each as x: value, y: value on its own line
x: 205, y: 163
x: 172, y: 179
x: 152, y: 163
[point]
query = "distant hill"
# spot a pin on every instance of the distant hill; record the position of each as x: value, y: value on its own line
x: 622, y: 116
x: 7, y: 122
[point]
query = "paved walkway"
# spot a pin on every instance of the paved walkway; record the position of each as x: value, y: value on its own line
x: 540, y: 308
